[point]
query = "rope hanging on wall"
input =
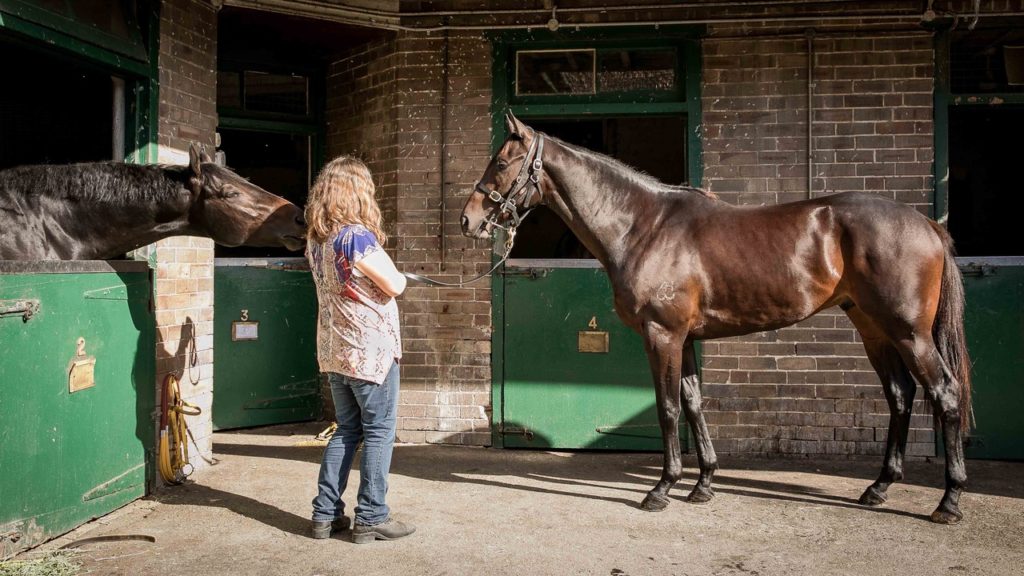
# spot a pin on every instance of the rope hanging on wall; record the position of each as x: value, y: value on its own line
x: 173, y: 449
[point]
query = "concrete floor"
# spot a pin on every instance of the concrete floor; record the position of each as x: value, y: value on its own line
x: 488, y: 511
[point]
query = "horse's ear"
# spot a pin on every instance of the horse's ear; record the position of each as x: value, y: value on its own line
x: 195, y: 160
x: 514, y: 127
x: 205, y: 156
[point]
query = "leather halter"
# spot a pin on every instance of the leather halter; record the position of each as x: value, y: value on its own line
x: 527, y: 182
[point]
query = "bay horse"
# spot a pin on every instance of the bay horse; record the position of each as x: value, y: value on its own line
x: 96, y: 211
x: 685, y: 266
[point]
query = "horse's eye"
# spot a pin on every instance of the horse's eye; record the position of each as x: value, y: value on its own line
x: 229, y: 191
x: 502, y: 165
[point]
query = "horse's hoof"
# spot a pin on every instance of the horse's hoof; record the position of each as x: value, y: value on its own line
x: 700, y: 496
x: 654, y: 503
x: 872, y: 497
x: 941, y: 516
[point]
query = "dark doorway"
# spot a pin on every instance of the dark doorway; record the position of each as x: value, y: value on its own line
x: 652, y: 144
x: 986, y: 197
x: 53, y: 111
x: 278, y: 162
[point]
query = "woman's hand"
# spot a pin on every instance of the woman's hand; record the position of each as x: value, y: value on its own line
x: 379, y: 268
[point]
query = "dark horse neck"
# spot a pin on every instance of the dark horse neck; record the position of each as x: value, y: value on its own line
x: 601, y: 199
x: 91, y: 211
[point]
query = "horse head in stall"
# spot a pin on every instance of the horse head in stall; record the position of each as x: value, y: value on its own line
x: 95, y: 211
x: 685, y: 266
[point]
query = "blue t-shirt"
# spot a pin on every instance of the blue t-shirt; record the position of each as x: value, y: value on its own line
x: 353, y: 243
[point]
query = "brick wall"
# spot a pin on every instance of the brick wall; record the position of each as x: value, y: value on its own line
x: 384, y: 105
x: 809, y: 389
x: 184, y: 265
x: 361, y: 120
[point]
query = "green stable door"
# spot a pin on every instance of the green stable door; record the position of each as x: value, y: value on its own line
x: 994, y: 323
x: 575, y: 376
x: 77, y: 394
x: 265, y: 322
x: 264, y: 344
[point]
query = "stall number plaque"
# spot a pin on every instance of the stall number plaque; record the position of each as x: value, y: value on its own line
x: 81, y: 369
x: 245, y: 329
x: 593, y: 342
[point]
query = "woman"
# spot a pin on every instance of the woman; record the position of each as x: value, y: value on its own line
x: 358, y: 346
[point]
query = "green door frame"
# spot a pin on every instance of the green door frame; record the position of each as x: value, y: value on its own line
x: 504, y: 44
x: 141, y: 73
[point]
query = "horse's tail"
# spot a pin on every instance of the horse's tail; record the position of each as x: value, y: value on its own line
x: 948, y: 328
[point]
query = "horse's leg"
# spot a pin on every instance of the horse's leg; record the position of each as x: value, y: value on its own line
x: 899, y: 392
x: 926, y: 364
x: 706, y: 457
x: 664, y: 351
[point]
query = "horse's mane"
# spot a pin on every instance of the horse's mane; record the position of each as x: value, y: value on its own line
x: 99, y: 182
x: 630, y: 173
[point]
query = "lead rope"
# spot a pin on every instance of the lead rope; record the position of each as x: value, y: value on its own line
x: 509, y: 241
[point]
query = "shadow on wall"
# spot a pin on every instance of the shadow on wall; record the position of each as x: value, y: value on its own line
x: 182, y: 363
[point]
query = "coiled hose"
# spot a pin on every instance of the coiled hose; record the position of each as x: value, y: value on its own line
x: 173, y: 449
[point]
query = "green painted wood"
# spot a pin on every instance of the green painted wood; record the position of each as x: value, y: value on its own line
x: 994, y: 322
x: 274, y: 379
x: 987, y: 99
x: 69, y: 457
x: 53, y: 37
x: 71, y: 24
x: 141, y: 73
x: 558, y: 397
x: 264, y: 125
x: 940, y: 206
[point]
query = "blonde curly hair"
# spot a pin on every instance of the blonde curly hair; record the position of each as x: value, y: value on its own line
x: 343, y: 194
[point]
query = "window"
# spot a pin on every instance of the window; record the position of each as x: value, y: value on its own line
x: 555, y: 72
x: 598, y: 73
x: 636, y: 70
x: 986, y: 61
x: 266, y: 93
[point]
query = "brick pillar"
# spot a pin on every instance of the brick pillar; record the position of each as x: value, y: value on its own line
x: 447, y: 374
x: 184, y: 265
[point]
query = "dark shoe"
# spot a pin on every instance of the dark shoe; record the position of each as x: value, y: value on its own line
x: 390, y: 529
x: 323, y: 528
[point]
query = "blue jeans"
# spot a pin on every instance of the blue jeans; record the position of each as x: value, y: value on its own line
x: 364, y: 411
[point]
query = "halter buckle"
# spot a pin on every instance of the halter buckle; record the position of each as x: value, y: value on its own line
x: 494, y: 196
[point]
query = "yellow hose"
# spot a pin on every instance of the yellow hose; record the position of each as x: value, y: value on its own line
x: 173, y: 448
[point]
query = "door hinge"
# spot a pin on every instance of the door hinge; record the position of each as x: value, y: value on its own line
x: 24, y: 308
x: 510, y: 431
x: 977, y: 270
x: 531, y: 273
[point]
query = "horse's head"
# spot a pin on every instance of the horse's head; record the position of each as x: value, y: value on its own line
x: 510, y: 184
x: 236, y: 212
